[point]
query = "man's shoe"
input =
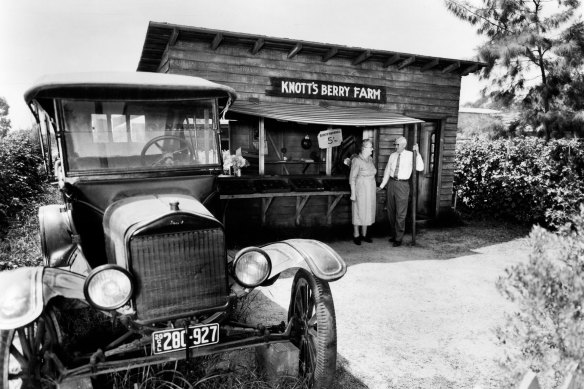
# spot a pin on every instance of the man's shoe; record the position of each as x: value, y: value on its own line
x: 357, y: 241
x: 397, y: 243
x: 366, y: 239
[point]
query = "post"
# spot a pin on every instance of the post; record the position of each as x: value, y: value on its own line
x: 261, y: 140
x: 415, y: 186
x: 329, y: 158
x: 206, y: 133
x: 529, y: 381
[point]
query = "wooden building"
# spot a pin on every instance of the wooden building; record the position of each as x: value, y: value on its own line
x: 290, y: 91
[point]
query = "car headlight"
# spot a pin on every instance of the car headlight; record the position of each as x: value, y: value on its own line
x: 108, y: 287
x: 251, y: 266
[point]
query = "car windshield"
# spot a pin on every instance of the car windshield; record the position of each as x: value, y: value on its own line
x: 121, y: 136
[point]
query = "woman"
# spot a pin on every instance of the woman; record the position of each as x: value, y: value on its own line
x: 363, y: 189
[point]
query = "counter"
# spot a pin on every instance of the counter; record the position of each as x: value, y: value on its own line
x: 298, y: 190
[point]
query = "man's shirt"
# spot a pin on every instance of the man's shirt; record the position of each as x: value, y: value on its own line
x: 405, y: 164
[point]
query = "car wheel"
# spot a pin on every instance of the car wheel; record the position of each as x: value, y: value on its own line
x: 314, y: 329
x: 24, y: 351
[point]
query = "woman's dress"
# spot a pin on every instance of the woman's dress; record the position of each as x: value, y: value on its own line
x: 363, y: 177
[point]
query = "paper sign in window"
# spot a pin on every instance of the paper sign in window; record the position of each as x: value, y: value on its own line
x: 119, y: 130
x: 138, y: 128
x: 99, y: 128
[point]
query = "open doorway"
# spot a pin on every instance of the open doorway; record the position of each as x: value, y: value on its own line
x: 428, y: 137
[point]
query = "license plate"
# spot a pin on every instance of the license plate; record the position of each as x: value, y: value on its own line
x: 175, y: 339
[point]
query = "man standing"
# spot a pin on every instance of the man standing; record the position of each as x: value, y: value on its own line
x: 397, y: 173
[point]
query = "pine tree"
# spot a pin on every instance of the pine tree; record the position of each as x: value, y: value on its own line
x: 534, y: 54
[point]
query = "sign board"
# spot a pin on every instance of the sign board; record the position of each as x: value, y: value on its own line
x: 326, y: 90
x: 330, y: 138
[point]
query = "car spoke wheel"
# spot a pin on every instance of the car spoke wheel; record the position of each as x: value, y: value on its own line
x: 23, y: 354
x: 314, y: 329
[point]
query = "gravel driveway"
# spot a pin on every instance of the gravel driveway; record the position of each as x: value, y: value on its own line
x: 407, y: 320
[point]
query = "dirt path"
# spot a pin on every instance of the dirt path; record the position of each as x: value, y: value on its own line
x: 408, y: 320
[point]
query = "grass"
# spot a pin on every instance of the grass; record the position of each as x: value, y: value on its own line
x: 220, y: 371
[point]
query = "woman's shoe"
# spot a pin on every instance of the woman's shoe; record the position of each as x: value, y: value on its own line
x: 366, y: 239
x: 357, y: 240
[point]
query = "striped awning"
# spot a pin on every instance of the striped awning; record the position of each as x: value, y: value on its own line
x: 316, y: 114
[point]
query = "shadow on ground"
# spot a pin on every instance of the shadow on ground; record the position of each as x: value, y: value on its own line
x: 258, y: 308
x: 431, y: 241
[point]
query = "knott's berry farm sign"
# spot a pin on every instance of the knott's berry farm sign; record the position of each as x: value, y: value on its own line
x: 310, y: 89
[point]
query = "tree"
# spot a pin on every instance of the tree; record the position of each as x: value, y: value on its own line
x: 534, y: 55
x: 4, y: 121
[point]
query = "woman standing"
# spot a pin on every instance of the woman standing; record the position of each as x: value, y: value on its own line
x: 363, y: 191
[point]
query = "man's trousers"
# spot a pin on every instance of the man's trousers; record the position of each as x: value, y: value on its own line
x: 398, y: 194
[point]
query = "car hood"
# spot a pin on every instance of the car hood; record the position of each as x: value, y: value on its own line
x: 130, y: 216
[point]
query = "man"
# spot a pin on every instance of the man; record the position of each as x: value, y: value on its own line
x: 397, y: 174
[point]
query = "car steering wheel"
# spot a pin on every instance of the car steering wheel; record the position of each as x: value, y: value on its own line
x: 168, y: 157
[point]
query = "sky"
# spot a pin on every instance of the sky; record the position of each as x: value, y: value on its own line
x: 42, y: 37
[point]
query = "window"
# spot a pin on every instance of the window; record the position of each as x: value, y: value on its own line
x: 140, y: 135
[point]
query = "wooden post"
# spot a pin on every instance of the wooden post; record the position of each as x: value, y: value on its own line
x: 570, y: 376
x: 261, y: 139
x: 206, y: 133
x: 529, y: 381
x: 415, y: 186
x: 329, y: 158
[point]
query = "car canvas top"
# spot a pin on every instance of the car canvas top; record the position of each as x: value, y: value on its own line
x: 125, y: 85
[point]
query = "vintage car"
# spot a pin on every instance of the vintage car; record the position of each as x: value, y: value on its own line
x: 138, y: 240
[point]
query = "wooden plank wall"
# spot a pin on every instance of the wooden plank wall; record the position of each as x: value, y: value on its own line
x: 429, y: 95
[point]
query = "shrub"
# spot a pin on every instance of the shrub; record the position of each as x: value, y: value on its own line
x: 20, y: 174
x: 548, y: 330
x: 524, y: 179
x: 20, y: 245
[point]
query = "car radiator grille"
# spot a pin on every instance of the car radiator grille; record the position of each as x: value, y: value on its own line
x: 178, y: 273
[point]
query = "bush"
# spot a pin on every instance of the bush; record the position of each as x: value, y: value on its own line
x: 20, y: 173
x: 548, y: 330
x: 20, y: 245
x: 523, y: 179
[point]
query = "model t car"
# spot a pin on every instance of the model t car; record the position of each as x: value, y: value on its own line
x: 137, y: 240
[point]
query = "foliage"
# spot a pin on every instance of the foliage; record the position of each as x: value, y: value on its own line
x: 534, y: 53
x: 523, y: 179
x: 20, y: 172
x: 547, y: 331
x: 4, y: 121
x: 19, y: 243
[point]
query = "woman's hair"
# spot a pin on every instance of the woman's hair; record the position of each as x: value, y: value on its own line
x: 366, y: 143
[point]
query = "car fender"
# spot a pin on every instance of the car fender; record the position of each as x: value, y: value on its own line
x: 324, y: 262
x: 57, y: 235
x: 26, y: 291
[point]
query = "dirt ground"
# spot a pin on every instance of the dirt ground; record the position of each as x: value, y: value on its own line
x: 416, y: 317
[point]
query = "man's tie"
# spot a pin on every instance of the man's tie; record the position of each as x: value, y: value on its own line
x: 396, y: 170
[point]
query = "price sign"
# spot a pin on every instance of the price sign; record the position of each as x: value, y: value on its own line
x: 330, y: 138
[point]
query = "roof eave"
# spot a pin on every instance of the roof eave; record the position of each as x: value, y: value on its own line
x: 159, y: 35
